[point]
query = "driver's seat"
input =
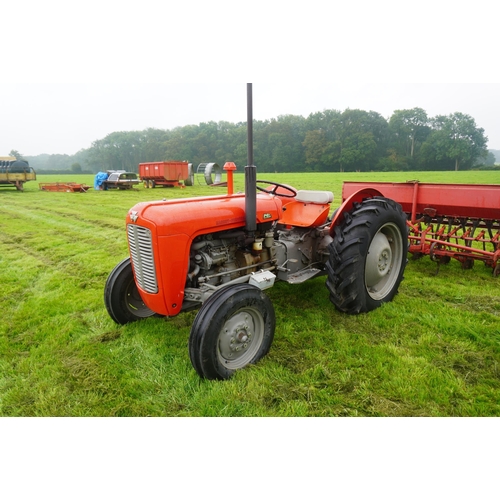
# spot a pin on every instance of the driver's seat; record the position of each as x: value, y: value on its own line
x: 308, y: 209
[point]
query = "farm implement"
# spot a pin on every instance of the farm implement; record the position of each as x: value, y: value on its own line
x: 446, y: 221
x: 166, y: 174
x: 179, y: 174
x: 15, y: 172
x: 63, y: 187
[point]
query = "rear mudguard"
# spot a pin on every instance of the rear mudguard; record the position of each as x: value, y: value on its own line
x: 348, y: 205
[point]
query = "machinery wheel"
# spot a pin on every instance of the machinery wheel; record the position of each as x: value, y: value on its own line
x: 216, y: 170
x: 121, y: 296
x: 234, y: 328
x: 368, y: 256
x: 190, y: 178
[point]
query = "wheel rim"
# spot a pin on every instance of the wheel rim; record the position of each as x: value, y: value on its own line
x: 240, y: 338
x: 134, y: 302
x: 383, y: 262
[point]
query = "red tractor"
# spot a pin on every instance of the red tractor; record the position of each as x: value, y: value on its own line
x: 221, y: 262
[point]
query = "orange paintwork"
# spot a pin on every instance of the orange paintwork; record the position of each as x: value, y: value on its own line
x: 302, y: 214
x: 229, y: 168
x: 174, y: 225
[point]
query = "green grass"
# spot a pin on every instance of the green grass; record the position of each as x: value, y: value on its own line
x: 433, y: 351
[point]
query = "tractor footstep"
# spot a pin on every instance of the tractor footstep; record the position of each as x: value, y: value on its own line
x: 302, y: 276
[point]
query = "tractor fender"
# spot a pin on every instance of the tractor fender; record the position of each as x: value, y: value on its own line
x: 348, y: 204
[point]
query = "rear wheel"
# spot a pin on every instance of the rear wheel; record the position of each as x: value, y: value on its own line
x: 234, y: 328
x: 121, y: 296
x: 368, y: 256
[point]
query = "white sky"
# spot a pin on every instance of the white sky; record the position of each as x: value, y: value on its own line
x: 73, y: 73
x: 66, y: 117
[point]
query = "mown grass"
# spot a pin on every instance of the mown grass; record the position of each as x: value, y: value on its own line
x: 433, y: 351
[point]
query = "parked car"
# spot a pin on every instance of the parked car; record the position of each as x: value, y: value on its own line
x: 116, y: 179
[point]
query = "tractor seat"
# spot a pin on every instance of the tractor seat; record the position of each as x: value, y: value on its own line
x: 309, y: 209
x: 318, y: 197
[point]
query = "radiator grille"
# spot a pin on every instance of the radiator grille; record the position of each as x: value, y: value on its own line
x: 141, y: 253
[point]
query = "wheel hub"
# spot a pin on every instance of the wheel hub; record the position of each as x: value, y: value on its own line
x: 378, y: 262
x: 236, y: 338
x: 242, y: 336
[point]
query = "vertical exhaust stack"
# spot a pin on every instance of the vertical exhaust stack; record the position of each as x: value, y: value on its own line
x: 250, y: 170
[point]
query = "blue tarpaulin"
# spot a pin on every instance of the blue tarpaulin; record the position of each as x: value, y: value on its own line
x: 99, y: 179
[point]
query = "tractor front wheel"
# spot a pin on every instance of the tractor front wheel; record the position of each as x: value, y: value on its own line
x: 234, y: 328
x: 121, y: 296
x: 368, y: 256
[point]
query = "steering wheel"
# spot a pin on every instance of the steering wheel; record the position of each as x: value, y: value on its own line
x: 274, y: 190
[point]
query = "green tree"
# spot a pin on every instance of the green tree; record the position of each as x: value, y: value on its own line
x: 16, y: 154
x: 179, y: 145
x: 315, y: 147
x: 280, y: 147
x: 321, y: 142
x: 490, y: 160
x: 409, y: 127
x: 363, y: 139
x: 457, y: 138
x: 357, y: 152
x: 393, y: 162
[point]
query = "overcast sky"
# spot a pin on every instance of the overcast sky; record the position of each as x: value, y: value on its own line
x: 66, y: 117
x: 73, y: 73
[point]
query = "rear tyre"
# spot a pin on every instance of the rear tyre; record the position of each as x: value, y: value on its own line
x: 368, y: 256
x: 233, y: 329
x: 121, y: 296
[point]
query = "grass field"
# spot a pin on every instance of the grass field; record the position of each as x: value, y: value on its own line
x: 433, y: 351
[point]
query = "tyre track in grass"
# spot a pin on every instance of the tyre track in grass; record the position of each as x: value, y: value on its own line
x: 59, y: 241
x: 64, y: 243
x: 92, y: 235
x: 62, y: 263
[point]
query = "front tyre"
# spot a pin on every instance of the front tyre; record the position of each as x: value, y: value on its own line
x: 368, y: 256
x: 233, y: 328
x: 121, y: 296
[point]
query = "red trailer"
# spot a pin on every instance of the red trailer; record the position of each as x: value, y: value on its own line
x: 166, y: 173
x: 445, y: 221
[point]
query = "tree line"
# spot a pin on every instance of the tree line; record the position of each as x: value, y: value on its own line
x: 327, y: 141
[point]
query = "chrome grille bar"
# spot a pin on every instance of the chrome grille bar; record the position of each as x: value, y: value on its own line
x: 141, y: 253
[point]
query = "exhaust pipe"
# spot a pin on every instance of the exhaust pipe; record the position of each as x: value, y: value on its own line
x: 250, y: 170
